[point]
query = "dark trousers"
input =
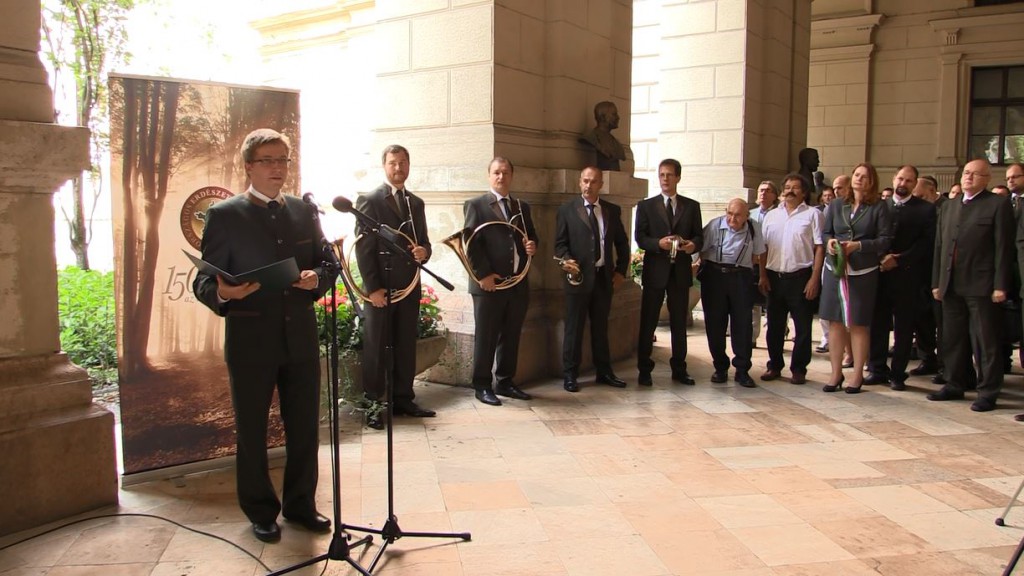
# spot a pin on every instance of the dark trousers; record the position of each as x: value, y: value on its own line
x: 595, y: 303
x: 928, y: 328
x: 404, y: 318
x: 650, y: 307
x: 499, y: 320
x: 785, y: 299
x: 298, y: 388
x: 979, y: 317
x: 896, y: 309
x: 728, y: 297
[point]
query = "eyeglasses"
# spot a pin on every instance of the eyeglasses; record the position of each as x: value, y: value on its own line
x: 273, y: 162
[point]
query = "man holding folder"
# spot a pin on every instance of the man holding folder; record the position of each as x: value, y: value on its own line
x: 270, y: 338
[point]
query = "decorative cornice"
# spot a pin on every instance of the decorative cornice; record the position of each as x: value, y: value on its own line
x: 842, y: 53
x: 849, y: 31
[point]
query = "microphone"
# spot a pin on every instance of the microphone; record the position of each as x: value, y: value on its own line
x: 311, y: 201
x: 342, y: 204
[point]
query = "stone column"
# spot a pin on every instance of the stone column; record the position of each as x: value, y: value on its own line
x: 722, y: 87
x: 516, y: 79
x: 58, y: 448
x: 841, y: 60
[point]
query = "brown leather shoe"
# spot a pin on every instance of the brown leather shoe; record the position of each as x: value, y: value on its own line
x: 770, y: 374
x: 798, y: 378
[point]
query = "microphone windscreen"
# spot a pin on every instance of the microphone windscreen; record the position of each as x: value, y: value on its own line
x: 342, y: 204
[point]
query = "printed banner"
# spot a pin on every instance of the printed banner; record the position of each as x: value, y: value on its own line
x: 174, y: 152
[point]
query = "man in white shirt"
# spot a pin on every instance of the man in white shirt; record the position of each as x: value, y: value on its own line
x: 791, y: 276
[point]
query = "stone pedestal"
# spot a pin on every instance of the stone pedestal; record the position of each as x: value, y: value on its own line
x: 58, y: 448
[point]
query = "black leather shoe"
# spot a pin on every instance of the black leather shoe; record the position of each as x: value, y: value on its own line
x: 571, y: 385
x: 1019, y: 417
x: 945, y: 394
x: 268, y: 532
x: 511, y: 391
x: 314, y: 522
x: 375, y: 421
x: 487, y: 397
x: 644, y: 379
x: 720, y: 376
x: 897, y: 385
x: 983, y: 405
x: 410, y: 408
x: 875, y: 379
x: 683, y: 378
x: 611, y: 380
x: 924, y: 369
x: 744, y: 379
x: 939, y: 379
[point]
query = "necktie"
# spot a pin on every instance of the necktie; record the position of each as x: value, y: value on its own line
x: 505, y: 208
x: 596, y: 230
x: 668, y: 206
x: 394, y: 202
x: 515, y: 245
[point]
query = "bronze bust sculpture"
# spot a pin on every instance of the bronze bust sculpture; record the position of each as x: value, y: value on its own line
x: 609, y: 150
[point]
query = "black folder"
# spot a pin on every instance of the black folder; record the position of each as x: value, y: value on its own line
x: 276, y: 276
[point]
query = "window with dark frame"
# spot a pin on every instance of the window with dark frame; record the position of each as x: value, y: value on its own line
x: 995, y: 2
x: 997, y: 115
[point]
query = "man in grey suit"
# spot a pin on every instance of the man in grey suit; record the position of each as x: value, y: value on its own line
x: 496, y: 254
x: 587, y: 229
x: 270, y: 337
x: 395, y: 206
x: 971, y: 276
x: 669, y: 230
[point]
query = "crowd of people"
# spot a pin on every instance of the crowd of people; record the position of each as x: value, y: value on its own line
x: 928, y: 268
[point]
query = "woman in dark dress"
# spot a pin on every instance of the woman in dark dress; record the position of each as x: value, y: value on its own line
x: 859, y: 229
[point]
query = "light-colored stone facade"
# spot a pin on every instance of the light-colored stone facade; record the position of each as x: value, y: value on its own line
x: 58, y: 448
x: 720, y: 85
x: 890, y: 80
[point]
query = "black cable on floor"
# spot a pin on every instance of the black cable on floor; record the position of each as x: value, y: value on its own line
x: 168, y: 520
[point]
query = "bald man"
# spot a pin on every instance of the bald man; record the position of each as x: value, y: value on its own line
x: 971, y: 277
x: 732, y: 245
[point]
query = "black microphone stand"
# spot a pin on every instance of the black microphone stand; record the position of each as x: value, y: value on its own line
x: 340, y: 547
x: 391, y: 531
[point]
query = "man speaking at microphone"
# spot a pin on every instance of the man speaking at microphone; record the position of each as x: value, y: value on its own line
x: 497, y: 253
x: 270, y: 338
x: 586, y: 231
x: 393, y: 205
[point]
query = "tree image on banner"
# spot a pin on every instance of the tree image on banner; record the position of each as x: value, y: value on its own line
x: 174, y: 152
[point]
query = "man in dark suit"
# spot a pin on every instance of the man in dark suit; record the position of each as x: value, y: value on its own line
x: 905, y: 271
x: 586, y: 231
x: 668, y: 229
x: 497, y: 254
x: 971, y: 276
x: 395, y: 206
x: 270, y: 339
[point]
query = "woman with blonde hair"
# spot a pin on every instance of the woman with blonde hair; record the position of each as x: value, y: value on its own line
x: 857, y: 232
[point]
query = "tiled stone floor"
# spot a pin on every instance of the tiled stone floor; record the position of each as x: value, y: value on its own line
x: 780, y: 480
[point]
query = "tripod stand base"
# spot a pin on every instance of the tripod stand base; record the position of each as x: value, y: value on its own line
x: 338, y: 550
x: 392, y: 531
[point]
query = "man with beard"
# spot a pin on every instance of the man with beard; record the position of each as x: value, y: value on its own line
x: 792, y: 276
x: 905, y: 271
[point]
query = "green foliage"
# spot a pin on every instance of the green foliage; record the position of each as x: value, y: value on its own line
x: 88, y: 334
x: 350, y: 331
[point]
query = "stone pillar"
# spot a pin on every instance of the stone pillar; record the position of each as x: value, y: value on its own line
x: 722, y: 87
x: 58, y: 448
x: 841, y: 53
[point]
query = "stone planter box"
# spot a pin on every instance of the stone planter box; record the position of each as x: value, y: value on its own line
x: 350, y: 367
